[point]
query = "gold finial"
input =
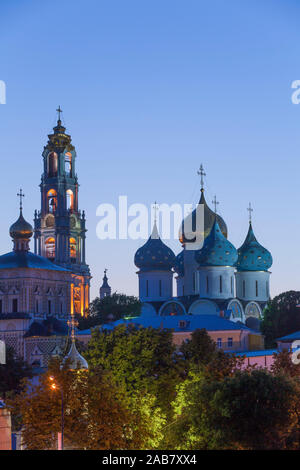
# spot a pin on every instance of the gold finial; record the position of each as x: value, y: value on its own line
x: 215, y: 203
x: 201, y: 173
x: 21, y: 195
x: 249, y: 209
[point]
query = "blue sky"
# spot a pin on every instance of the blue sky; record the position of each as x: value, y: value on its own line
x: 149, y: 90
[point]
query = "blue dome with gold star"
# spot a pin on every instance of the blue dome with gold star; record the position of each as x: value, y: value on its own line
x: 154, y: 254
x: 216, y: 250
x: 252, y: 256
x: 179, y: 264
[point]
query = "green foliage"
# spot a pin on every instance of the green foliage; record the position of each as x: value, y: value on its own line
x: 144, y: 360
x: 281, y: 317
x: 97, y: 414
x: 12, y: 373
x: 115, y: 306
x: 247, y: 410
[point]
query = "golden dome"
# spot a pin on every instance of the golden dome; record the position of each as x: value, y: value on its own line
x: 21, y: 228
x: 190, y: 221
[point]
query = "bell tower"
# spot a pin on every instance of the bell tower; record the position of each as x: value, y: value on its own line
x: 59, y: 227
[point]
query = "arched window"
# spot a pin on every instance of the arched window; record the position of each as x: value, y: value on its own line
x: 52, y: 164
x: 68, y: 164
x: 52, y: 201
x: 70, y: 199
x: 73, y: 252
x: 50, y: 248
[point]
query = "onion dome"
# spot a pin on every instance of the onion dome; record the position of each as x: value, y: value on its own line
x: 154, y: 254
x: 216, y: 250
x: 185, y: 236
x: 252, y: 256
x: 21, y: 228
x: 179, y: 264
x: 76, y: 360
x: 59, y: 140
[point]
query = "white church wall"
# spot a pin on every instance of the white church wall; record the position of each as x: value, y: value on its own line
x: 216, y: 282
x: 253, y: 285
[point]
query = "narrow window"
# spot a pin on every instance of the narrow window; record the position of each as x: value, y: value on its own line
x: 194, y: 282
x: 256, y: 288
x: 219, y: 342
x: 207, y: 285
x: 0, y: 305
x: 182, y: 290
x: 160, y: 288
x: 267, y: 289
x: 231, y: 284
x: 221, y: 285
x: 15, y: 305
x: 229, y: 342
x: 37, y: 306
x: 147, y: 288
x: 244, y: 289
x: 49, y: 307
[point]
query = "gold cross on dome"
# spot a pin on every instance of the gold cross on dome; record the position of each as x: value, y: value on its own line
x: 215, y: 203
x: 201, y: 173
x: 72, y: 323
x: 21, y: 195
x: 249, y: 209
x: 59, y: 110
x: 155, y: 208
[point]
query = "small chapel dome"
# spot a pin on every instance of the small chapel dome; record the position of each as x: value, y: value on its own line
x: 21, y: 228
x: 77, y: 361
x: 252, y: 256
x: 216, y: 250
x: 154, y: 254
x: 202, y: 232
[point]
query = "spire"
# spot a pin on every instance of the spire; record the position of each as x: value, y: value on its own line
x: 105, y: 289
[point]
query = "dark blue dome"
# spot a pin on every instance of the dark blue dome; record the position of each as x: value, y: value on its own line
x: 252, y: 256
x: 154, y: 254
x: 25, y: 259
x: 216, y: 250
x: 179, y: 264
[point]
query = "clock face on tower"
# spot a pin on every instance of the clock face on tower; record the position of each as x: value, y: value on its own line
x: 236, y: 309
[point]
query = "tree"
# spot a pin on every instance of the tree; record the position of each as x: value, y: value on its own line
x: 144, y: 360
x: 248, y: 410
x: 281, y: 317
x: 199, y: 349
x: 114, y: 307
x: 12, y: 373
x: 96, y: 412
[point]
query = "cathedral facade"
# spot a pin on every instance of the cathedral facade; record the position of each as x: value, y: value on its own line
x: 215, y: 278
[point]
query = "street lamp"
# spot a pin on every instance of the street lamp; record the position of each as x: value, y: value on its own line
x: 55, y: 386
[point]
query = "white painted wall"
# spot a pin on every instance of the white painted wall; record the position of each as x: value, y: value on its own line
x: 211, y: 275
x: 249, y: 278
x: 153, y: 278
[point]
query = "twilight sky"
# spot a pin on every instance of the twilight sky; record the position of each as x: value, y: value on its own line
x: 150, y: 89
